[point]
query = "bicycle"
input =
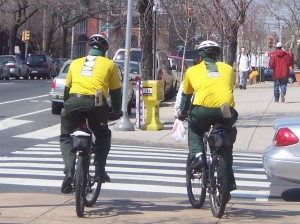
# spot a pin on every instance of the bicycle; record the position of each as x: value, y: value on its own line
x: 209, y: 177
x: 86, y: 189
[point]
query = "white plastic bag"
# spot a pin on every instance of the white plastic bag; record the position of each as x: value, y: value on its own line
x: 178, y: 131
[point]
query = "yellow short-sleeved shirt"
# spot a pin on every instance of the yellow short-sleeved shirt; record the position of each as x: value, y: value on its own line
x: 210, y: 89
x: 91, y: 73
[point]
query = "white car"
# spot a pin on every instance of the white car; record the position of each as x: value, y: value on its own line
x: 163, y: 70
x: 56, y: 93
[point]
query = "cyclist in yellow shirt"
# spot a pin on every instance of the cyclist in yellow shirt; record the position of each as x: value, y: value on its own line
x: 212, y: 84
x: 86, y: 76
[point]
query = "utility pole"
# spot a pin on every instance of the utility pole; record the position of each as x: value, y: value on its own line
x: 124, y: 123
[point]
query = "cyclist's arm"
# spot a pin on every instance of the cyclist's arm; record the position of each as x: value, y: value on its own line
x: 115, y: 96
x: 68, y: 84
x: 115, y: 89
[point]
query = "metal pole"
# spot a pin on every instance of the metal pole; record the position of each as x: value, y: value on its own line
x: 72, y: 44
x: 154, y: 46
x: 124, y: 123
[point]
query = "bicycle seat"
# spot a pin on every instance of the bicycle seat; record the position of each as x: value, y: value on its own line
x: 83, y: 112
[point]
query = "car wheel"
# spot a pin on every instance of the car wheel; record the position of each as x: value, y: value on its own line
x: 56, y: 109
x: 7, y: 77
x: 26, y: 75
x: 18, y: 75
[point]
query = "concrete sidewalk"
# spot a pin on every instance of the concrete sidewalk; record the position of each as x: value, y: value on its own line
x: 257, y: 112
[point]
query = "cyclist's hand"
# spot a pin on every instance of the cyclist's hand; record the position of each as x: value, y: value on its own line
x: 182, y: 116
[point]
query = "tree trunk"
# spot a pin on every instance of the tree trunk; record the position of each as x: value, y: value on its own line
x: 12, y: 39
x: 146, y: 42
x: 63, y: 49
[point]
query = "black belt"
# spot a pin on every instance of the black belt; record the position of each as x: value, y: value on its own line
x: 82, y: 95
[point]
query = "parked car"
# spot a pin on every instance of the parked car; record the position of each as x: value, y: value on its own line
x: 189, y: 62
x: 17, y: 66
x: 163, y: 70
x: 178, y: 66
x: 189, y: 54
x: 281, y: 159
x: 134, y: 69
x: 268, y: 72
x: 4, y: 71
x: 135, y: 54
x: 56, y: 94
x: 41, y: 66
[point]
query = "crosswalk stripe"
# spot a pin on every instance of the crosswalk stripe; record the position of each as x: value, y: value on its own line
x: 9, y: 123
x: 44, y: 133
x: 125, y: 164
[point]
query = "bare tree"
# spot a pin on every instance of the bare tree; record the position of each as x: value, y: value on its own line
x: 146, y: 23
x: 227, y: 16
x: 16, y: 13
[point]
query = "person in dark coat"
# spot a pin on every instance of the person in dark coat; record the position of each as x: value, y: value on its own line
x: 280, y: 62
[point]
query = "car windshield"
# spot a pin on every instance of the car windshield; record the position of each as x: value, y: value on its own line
x: 6, y: 59
x: 189, y: 54
x: 64, y: 73
x: 36, y: 58
x: 134, y: 55
x: 134, y: 67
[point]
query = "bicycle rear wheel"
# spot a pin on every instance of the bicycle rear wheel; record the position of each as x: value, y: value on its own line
x: 195, y: 185
x: 80, y: 183
x: 92, y: 188
x: 219, y: 190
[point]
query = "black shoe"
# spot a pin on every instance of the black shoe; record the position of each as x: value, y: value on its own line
x: 101, y: 176
x: 240, y: 86
x: 66, y: 187
x: 197, y: 162
x: 244, y: 87
x: 232, y: 187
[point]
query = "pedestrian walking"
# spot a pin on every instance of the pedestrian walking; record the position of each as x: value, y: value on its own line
x: 280, y: 62
x: 243, y: 67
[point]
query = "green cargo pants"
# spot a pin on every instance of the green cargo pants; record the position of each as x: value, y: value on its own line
x: 200, y: 120
x: 97, y: 120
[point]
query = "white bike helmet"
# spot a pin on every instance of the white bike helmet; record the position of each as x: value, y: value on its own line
x: 211, y: 48
x: 99, y: 41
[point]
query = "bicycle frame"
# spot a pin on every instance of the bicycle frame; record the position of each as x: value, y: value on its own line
x: 86, y: 189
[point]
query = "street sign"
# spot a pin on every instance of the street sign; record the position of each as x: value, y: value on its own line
x: 106, y: 27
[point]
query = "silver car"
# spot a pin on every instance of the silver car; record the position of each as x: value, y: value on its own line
x: 4, y: 71
x: 17, y: 66
x: 281, y: 159
x: 56, y: 93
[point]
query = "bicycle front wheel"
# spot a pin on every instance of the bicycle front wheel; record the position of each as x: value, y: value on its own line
x: 92, y: 188
x: 80, y: 183
x: 219, y: 190
x: 195, y: 185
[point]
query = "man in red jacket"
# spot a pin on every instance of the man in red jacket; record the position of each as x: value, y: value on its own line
x: 280, y: 62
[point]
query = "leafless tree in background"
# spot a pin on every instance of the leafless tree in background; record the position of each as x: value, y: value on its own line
x: 14, y: 14
x: 146, y: 23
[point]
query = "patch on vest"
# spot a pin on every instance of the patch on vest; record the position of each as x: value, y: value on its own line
x: 213, y: 74
x: 88, y: 66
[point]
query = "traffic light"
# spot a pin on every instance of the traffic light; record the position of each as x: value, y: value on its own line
x: 270, y: 41
x: 190, y: 12
x: 27, y: 35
